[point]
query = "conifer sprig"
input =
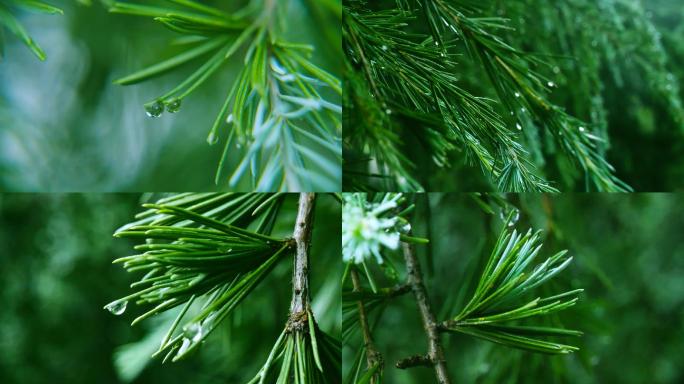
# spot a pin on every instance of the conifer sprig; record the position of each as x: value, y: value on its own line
x: 304, y: 353
x: 410, y: 74
x: 520, y: 88
x: 9, y: 21
x: 277, y: 112
x: 498, y: 304
x: 199, y: 256
x: 421, y: 77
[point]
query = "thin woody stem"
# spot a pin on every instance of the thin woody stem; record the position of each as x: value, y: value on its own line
x: 300, y: 274
x: 435, y: 355
x: 373, y: 357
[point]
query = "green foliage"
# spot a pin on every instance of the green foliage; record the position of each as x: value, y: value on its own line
x: 189, y: 256
x: 305, y: 354
x: 414, y: 96
x: 277, y: 112
x: 9, y: 21
x: 206, y: 253
x: 504, y: 281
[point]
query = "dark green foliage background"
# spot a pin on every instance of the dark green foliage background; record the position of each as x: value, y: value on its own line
x: 614, y: 80
x: 64, y: 126
x: 56, y: 275
x: 629, y: 258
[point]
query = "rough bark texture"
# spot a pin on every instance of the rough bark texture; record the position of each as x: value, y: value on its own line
x: 300, y: 273
x: 435, y: 355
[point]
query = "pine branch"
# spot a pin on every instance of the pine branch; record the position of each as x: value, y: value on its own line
x: 409, y: 75
x: 302, y: 237
x: 306, y: 354
x: 435, y: 354
x: 279, y: 110
x: 374, y: 360
x: 11, y: 22
x: 504, y: 282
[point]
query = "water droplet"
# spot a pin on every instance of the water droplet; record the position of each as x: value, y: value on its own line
x: 117, y: 307
x: 194, y: 332
x: 551, y: 84
x: 388, y: 111
x: 406, y: 228
x: 213, y: 138
x: 173, y: 105
x: 384, y: 47
x: 517, y: 94
x: 230, y: 118
x: 517, y: 125
x: 582, y: 129
x: 184, y: 347
x: 154, y: 109
x: 515, y: 217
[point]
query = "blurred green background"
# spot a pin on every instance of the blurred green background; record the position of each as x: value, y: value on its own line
x: 629, y: 258
x: 56, y: 276
x: 64, y: 126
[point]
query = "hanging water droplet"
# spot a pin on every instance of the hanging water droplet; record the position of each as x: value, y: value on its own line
x: 517, y: 125
x: 406, y: 228
x: 194, y: 332
x: 184, y: 347
x: 384, y: 47
x: 213, y: 138
x: 551, y: 84
x: 388, y: 111
x: 230, y: 118
x: 154, y: 109
x: 582, y: 129
x: 515, y: 217
x: 173, y: 105
x: 117, y: 307
x: 517, y: 94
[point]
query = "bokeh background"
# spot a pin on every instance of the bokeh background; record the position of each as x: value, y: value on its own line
x: 56, y: 275
x: 65, y: 127
x: 629, y: 258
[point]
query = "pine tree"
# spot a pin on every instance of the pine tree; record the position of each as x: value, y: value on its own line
x: 206, y: 254
x: 506, y: 306
x: 517, y: 89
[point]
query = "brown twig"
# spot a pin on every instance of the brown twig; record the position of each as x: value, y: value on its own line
x: 435, y: 355
x: 300, y: 274
x: 373, y: 357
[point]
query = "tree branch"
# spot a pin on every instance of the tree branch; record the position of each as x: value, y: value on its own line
x: 435, y: 355
x: 373, y: 357
x: 300, y: 274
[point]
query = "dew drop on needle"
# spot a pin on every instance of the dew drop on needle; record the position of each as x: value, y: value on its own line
x: 154, y: 109
x: 117, y: 307
x: 173, y: 105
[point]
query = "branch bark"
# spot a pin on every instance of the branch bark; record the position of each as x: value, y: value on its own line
x: 300, y: 274
x: 373, y: 357
x: 435, y: 355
